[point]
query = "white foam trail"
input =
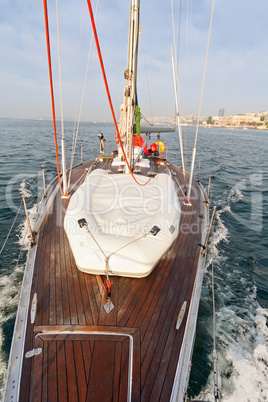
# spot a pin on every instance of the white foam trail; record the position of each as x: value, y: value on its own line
x: 9, y: 298
x: 219, y: 234
x: 235, y: 196
x: 243, y: 353
x: 248, y: 355
x: 24, y: 227
x: 24, y: 191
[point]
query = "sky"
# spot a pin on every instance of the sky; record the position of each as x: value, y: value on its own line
x: 236, y: 76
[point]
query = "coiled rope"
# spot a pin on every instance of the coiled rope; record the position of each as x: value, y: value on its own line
x: 108, y: 91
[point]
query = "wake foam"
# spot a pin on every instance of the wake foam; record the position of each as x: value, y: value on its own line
x: 241, y: 324
x: 24, y: 230
x: 219, y: 234
x: 235, y: 196
x: 25, y: 189
x: 9, y: 298
x: 246, y: 343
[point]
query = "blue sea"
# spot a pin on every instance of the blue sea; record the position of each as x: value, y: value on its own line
x: 236, y: 161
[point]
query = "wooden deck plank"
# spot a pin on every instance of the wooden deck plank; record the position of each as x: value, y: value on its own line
x: 52, y: 371
x: 71, y: 373
x: 64, y: 281
x: 159, y: 345
x: 52, y: 278
x: 124, y: 371
x: 38, y: 379
x: 87, y: 358
x: 161, y: 319
x: 100, y: 384
x: 46, y: 277
x: 70, y: 282
x: 58, y: 279
x: 80, y: 371
x: 117, y: 371
x: 77, y: 292
x: 84, y: 295
x: 61, y: 372
x: 94, y: 296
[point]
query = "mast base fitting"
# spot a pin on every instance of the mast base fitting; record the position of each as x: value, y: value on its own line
x: 66, y: 196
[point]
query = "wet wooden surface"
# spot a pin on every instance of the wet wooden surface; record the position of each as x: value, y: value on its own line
x: 85, y: 352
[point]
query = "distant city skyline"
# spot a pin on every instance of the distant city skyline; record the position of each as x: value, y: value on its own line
x: 236, y: 70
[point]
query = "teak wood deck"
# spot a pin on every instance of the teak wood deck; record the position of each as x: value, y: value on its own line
x: 88, y: 355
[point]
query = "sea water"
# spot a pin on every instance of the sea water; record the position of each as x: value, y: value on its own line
x: 236, y: 161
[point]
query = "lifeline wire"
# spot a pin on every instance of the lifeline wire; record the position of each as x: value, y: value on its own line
x: 11, y: 228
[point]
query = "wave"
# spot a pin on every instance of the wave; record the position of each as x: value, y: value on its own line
x: 219, y: 234
x: 235, y: 196
x: 11, y: 284
x: 24, y: 230
x: 25, y: 189
x: 9, y: 298
x: 242, y: 357
x: 241, y: 329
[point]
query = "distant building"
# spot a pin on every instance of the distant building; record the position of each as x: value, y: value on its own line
x: 221, y: 112
x: 238, y: 120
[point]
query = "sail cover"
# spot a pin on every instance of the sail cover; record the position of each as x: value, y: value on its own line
x: 118, y: 227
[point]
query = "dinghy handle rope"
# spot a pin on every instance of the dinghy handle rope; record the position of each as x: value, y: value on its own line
x: 51, y: 90
x: 84, y: 223
x: 108, y: 91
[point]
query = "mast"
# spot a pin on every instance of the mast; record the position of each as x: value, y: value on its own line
x: 130, y: 98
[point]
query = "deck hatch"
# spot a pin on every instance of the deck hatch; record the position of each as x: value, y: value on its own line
x: 71, y: 361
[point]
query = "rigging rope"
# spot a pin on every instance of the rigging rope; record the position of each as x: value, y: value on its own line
x: 204, y: 74
x: 11, y: 228
x: 81, y: 105
x: 108, y: 91
x: 13, y: 223
x: 187, y: 92
x: 77, y: 87
x: 51, y: 90
x: 148, y: 86
x: 63, y: 156
x: 61, y: 103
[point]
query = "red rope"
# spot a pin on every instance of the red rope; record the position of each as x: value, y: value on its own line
x: 102, y: 283
x: 107, y: 89
x: 51, y: 89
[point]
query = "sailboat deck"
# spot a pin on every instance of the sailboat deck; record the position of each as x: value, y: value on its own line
x: 84, y: 354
